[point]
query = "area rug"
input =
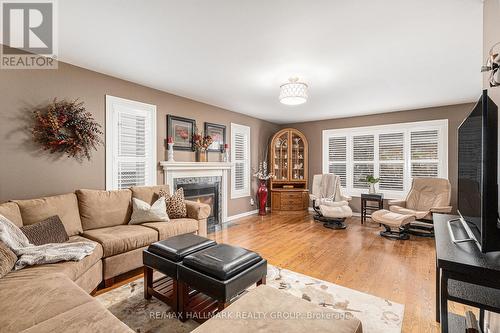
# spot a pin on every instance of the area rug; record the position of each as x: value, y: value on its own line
x: 377, y: 315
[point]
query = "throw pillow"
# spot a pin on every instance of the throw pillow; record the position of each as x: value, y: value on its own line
x: 7, y: 259
x: 176, y: 207
x: 143, y: 212
x: 50, y: 230
x: 162, y: 193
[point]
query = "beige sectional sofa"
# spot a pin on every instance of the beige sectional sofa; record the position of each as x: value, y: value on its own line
x: 55, y: 297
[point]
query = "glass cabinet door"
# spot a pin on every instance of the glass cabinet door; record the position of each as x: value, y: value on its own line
x: 297, y: 158
x: 281, y: 158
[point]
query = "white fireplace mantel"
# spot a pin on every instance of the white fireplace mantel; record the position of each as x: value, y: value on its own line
x: 166, y: 165
x: 174, y: 170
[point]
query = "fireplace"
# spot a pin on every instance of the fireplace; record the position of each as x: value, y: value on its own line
x: 207, y: 174
x: 206, y: 190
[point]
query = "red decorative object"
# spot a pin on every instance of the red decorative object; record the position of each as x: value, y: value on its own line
x: 170, y: 139
x: 66, y: 127
x: 262, y: 195
x: 262, y: 175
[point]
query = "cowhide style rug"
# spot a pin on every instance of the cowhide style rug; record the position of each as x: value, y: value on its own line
x: 377, y: 315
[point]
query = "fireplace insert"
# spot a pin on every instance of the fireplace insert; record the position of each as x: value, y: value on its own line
x: 207, y: 193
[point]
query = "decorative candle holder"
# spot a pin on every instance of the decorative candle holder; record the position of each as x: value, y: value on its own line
x: 225, y: 154
x: 170, y: 152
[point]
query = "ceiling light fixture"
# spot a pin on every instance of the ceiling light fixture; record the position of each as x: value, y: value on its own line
x: 293, y: 92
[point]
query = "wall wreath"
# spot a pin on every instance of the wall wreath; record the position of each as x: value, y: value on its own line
x: 66, y: 127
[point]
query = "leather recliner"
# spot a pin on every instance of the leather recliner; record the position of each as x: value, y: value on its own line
x: 330, y: 204
x: 426, y: 196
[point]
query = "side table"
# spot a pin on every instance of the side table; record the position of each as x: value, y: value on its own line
x: 370, y: 203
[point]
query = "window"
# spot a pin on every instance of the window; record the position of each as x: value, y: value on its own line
x: 240, y: 156
x: 130, y: 143
x: 393, y: 153
x: 424, y: 153
x: 337, y: 157
x: 363, y: 156
x: 392, y: 161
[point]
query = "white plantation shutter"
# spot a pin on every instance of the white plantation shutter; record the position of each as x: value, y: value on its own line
x: 130, y: 143
x: 337, y: 157
x: 394, y: 153
x: 424, y: 153
x: 240, y: 156
x: 391, y: 157
x: 363, y: 148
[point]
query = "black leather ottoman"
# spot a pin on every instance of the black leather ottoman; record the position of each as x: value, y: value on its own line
x: 221, y: 272
x: 165, y: 256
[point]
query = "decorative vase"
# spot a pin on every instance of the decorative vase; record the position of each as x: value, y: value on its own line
x: 262, y: 195
x: 201, y: 156
x: 372, y: 189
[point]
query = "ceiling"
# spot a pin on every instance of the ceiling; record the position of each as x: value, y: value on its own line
x: 358, y: 57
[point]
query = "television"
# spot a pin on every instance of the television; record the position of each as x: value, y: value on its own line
x: 478, y: 174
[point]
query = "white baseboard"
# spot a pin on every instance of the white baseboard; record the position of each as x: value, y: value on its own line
x: 239, y: 216
x: 253, y: 212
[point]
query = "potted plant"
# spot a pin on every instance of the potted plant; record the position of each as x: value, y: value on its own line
x: 371, y: 180
x: 200, y: 145
x: 263, y: 176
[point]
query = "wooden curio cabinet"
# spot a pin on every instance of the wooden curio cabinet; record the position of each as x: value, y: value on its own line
x: 289, y: 163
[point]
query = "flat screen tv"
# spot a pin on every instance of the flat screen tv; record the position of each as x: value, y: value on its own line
x: 478, y: 174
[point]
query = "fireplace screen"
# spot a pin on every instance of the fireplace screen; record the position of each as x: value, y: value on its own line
x: 207, y: 193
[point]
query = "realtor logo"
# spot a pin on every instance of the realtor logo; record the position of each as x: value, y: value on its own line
x: 28, y: 35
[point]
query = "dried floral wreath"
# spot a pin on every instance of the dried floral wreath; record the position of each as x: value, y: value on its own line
x: 67, y: 127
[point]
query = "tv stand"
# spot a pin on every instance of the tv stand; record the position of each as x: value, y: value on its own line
x: 463, y: 274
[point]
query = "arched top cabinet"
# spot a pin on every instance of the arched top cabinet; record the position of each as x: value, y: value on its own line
x: 289, y: 163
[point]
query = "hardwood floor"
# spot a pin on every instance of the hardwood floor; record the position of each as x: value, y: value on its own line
x: 357, y: 258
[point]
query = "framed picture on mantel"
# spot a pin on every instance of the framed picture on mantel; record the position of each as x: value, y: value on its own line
x: 181, y: 130
x: 218, y: 134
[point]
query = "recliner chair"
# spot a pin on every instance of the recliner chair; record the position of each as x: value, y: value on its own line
x: 329, y: 203
x: 426, y: 196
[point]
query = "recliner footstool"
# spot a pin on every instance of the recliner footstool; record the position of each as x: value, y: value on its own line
x: 165, y: 256
x: 396, y: 225
x: 216, y: 276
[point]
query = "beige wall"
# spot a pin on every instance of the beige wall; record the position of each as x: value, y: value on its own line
x: 454, y: 113
x: 26, y: 172
x: 491, y: 35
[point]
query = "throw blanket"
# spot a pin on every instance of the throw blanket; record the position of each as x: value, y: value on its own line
x: 29, y: 254
x: 329, y: 184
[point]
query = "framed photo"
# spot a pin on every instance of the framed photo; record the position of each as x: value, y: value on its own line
x: 181, y: 130
x: 218, y: 134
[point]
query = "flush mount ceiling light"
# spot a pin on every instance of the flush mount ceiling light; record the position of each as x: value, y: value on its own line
x: 293, y: 92
x: 493, y: 65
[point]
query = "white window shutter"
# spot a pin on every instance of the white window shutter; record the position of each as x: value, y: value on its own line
x: 337, y: 157
x: 391, y: 147
x: 391, y: 176
x: 395, y: 153
x: 363, y: 147
x: 391, y: 156
x: 424, y: 146
x: 240, y: 156
x: 130, y: 143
